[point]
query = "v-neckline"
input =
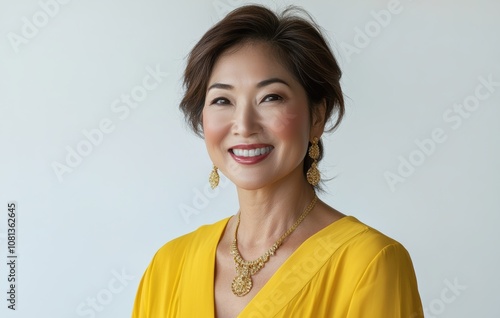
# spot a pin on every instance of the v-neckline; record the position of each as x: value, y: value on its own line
x: 264, y: 289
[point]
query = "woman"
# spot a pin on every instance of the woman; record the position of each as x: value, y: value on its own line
x: 260, y: 90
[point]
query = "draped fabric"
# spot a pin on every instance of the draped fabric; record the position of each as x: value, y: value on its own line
x: 346, y: 269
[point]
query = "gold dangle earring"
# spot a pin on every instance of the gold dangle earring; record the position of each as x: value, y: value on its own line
x: 313, y: 176
x: 214, y: 178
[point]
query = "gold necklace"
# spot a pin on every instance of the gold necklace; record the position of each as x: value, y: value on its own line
x: 242, y: 283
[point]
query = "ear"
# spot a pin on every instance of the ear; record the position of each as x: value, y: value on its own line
x: 318, y: 120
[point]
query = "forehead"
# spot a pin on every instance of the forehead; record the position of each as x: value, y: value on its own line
x: 247, y: 61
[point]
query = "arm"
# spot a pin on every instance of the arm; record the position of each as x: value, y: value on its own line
x: 388, y: 287
x: 141, y: 303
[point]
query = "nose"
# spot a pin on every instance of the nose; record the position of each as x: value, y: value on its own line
x: 246, y: 120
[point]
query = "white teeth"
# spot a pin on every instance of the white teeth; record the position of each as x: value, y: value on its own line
x: 251, y: 152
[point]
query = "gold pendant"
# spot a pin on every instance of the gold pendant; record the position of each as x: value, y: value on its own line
x: 241, y: 285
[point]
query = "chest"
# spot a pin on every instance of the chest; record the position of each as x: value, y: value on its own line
x: 227, y: 304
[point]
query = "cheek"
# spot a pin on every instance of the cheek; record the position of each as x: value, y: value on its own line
x: 290, y: 124
x: 214, y: 126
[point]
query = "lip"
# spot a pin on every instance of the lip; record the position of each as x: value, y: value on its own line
x: 250, y: 160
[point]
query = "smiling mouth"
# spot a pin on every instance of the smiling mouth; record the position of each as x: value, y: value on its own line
x: 247, y: 153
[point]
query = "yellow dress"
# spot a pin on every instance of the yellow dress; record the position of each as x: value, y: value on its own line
x: 346, y: 269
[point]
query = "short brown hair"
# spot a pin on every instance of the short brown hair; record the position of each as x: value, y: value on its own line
x: 295, y: 37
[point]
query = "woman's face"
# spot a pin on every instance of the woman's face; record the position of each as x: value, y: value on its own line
x: 256, y: 119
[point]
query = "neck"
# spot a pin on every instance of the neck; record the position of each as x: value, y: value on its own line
x: 269, y: 212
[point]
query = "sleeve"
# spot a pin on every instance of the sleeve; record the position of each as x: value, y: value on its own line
x: 142, y: 299
x: 388, y: 287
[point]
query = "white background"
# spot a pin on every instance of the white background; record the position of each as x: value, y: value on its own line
x: 131, y: 192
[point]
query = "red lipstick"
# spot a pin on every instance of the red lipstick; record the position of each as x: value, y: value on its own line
x: 249, y: 154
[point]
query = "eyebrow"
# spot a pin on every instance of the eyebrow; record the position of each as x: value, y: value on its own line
x: 271, y: 81
x: 259, y: 84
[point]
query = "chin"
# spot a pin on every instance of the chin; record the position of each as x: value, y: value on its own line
x: 250, y: 184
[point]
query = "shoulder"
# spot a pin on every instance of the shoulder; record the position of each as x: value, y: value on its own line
x: 356, y: 240
x: 377, y: 272
x: 176, y: 262
x: 180, y: 253
x: 200, y: 239
x: 367, y: 257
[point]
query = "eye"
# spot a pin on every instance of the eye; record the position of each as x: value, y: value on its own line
x: 220, y: 101
x: 272, y: 98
